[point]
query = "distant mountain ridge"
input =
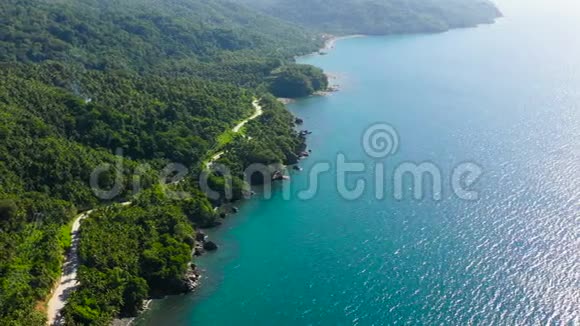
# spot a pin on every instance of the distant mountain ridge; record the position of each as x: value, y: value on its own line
x: 159, y: 81
x: 108, y: 34
x: 379, y: 17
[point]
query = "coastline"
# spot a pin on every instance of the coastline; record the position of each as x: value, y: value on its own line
x: 330, y: 43
x: 130, y: 320
x: 334, y: 83
x: 67, y: 283
x: 194, y: 275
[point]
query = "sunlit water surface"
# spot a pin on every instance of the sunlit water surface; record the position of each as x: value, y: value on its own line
x: 506, y: 97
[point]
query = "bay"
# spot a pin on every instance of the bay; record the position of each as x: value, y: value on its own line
x: 503, y: 97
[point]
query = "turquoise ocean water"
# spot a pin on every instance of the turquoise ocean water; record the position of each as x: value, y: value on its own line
x: 505, y: 97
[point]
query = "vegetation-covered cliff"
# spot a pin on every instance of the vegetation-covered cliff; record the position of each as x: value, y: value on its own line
x: 82, y: 81
x: 379, y: 17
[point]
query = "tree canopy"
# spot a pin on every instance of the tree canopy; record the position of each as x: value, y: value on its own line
x: 135, y: 85
x: 380, y: 17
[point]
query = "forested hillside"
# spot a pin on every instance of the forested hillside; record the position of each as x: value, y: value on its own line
x: 132, y: 84
x: 142, y: 34
x: 379, y: 17
x: 52, y: 139
x: 82, y: 81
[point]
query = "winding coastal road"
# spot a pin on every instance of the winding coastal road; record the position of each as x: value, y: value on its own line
x: 259, y: 111
x: 68, y: 280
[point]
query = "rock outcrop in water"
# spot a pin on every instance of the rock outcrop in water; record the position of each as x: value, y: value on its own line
x: 203, y: 244
x: 192, y: 279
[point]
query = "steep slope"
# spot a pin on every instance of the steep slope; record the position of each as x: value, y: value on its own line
x: 139, y: 34
x: 159, y: 80
x: 380, y: 16
x: 83, y: 80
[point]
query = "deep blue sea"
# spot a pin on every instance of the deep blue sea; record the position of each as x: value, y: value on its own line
x: 504, y: 98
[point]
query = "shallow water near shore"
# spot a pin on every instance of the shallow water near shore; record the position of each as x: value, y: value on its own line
x: 505, y: 97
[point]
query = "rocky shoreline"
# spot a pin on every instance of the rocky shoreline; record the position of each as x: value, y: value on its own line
x: 202, y: 244
x: 191, y: 279
x: 193, y: 276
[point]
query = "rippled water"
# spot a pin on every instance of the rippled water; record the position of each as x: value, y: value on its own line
x: 506, y: 97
